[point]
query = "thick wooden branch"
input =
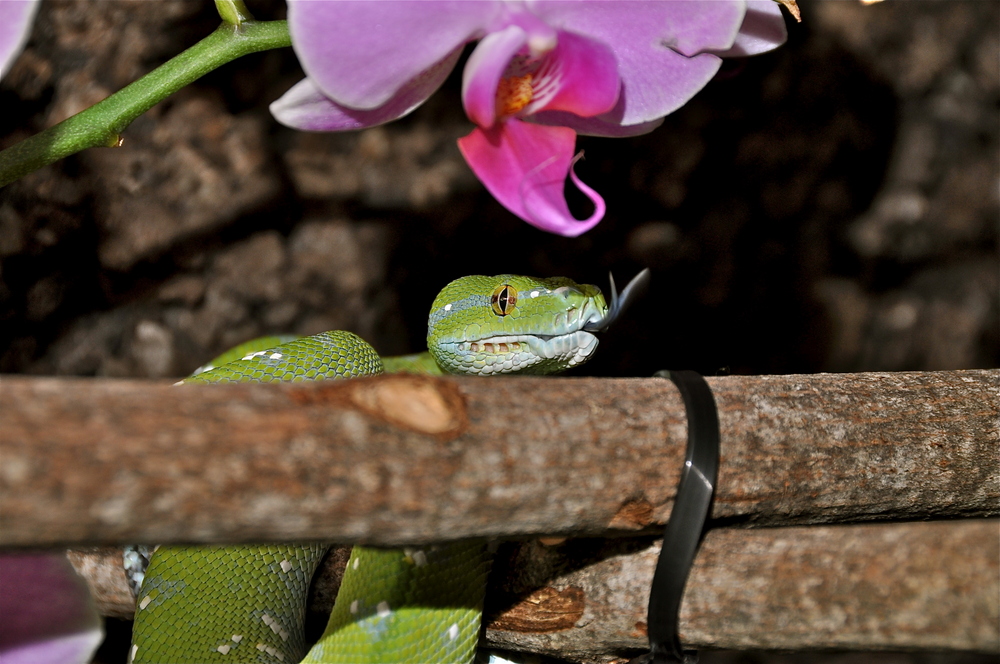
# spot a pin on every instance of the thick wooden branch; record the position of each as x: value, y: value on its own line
x: 931, y: 586
x: 407, y: 459
x: 875, y: 586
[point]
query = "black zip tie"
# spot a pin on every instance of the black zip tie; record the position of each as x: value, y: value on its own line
x: 686, y: 526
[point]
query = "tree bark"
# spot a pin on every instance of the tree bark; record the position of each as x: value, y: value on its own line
x: 930, y: 585
x: 407, y: 460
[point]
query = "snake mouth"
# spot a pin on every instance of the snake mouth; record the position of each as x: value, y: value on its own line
x: 570, y: 343
x: 520, y: 353
x: 547, y: 346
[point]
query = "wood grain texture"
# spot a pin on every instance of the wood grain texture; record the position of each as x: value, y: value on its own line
x: 932, y: 585
x: 405, y: 459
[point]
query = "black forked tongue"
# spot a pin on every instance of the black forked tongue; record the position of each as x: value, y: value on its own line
x: 617, y: 304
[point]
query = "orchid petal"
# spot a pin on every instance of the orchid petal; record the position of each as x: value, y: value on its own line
x: 648, y: 40
x: 763, y: 30
x: 15, y: 26
x: 361, y: 53
x: 584, y: 78
x: 525, y: 167
x: 46, y: 612
x: 305, y: 107
x: 485, y: 68
x: 689, y: 27
x: 596, y: 126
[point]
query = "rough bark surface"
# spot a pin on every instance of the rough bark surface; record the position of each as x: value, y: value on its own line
x: 405, y: 459
x: 929, y: 585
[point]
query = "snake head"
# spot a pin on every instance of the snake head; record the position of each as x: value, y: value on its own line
x: 482, y: 325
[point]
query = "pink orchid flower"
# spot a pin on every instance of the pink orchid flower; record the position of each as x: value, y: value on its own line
x: 16, y: 17
x: 542, y: 72
x: 47, y: 615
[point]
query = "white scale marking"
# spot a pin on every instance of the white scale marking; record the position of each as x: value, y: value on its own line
x: 447, y: 307
x: 285, y: 565
x: 383, y: 610
x: 131, y: 656
x: 415, y: 556
x: 275, y: 626
x: 276, y: 356
x: 145, y: 602
x: 237, y: 638
x: 272, y: 651
x: 453, y: 632
x: 224, y: 649
x: 356, y: 563
x: 354, y: 607
x: 534, y: 294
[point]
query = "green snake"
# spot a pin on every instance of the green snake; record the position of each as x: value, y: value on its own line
x: 247, y: 603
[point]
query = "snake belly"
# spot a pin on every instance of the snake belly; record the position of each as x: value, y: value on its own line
x: 247, y: 603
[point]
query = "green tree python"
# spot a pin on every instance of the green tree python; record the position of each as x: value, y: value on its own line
x: 246, y: 603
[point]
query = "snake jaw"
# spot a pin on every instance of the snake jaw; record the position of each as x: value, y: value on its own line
x: 522, y: 353
x: 564, y: 344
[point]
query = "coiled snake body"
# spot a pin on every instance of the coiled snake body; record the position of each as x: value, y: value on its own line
x: 246, y: 603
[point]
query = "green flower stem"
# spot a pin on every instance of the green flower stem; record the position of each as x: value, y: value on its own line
x: 101, y: 124
x: 233, y: 12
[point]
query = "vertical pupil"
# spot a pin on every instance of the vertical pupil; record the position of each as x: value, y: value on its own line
x: 502, y: 300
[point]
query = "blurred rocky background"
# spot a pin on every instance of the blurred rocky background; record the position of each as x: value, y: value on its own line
x: 830, y: 207
x: 833, y: 206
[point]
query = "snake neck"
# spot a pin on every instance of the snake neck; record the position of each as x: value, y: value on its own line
x: 417, y: 363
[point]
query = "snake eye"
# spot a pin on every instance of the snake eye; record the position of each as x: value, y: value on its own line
x: 504, y: 299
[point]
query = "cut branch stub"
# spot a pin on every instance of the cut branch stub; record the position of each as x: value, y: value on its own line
x: 112, y: 461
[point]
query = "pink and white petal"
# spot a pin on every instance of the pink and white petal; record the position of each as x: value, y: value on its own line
x: 580, y: 76
x: 665, y: 82
x: 361, y: 53
x: 525, y: 167
x: 484, y: 69
x: 46, y: 612
x: 16, y: 17
x: 595, y: 126
x: 542, y: 37
x: 305, y: 107
x: 763, y: 30
x: 687, y: 26
x: 647, y: 39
